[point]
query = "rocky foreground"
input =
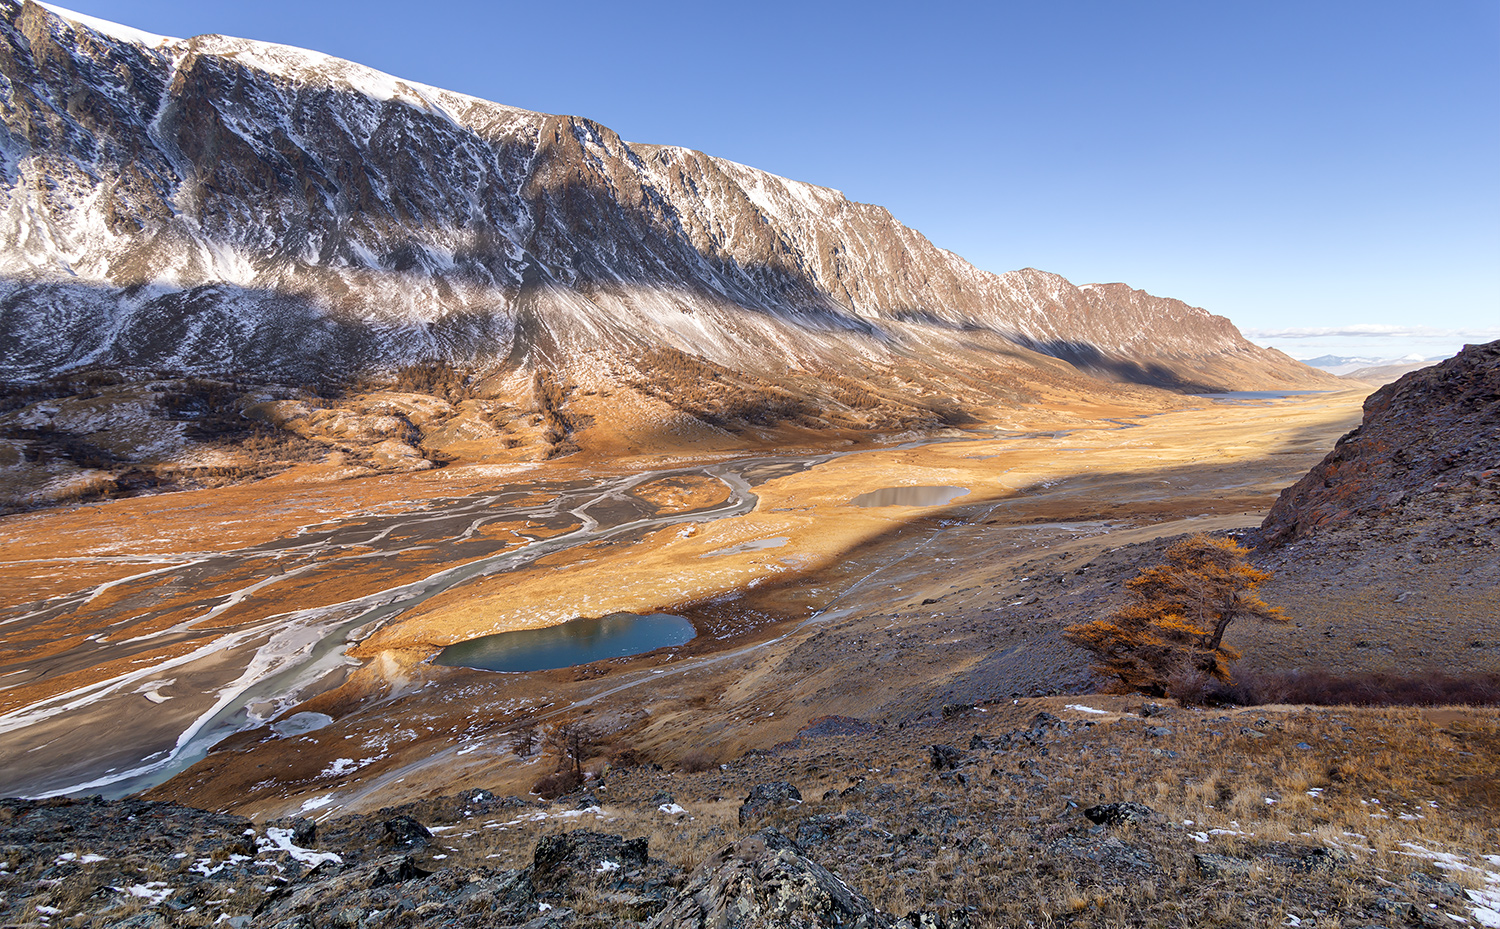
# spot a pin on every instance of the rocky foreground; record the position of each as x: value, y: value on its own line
x: 1104, y: 812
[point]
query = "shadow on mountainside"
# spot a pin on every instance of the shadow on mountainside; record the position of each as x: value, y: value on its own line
x: 380, y: 232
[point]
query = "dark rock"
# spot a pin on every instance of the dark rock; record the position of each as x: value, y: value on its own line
x: 978, y: 743
x: 574, y: 859
x: 1317, y: 859
x: 405, y: 832
x: 403, y: 872
x: 1149, y: 710
x: 1437, y: 886
x: 764, y: 881
x: 304, y: 831
x: 1157, y: 732
x: 1112, y: 814
x: 1221, y: 866
x: 552, y: 919
x: 765, y: 798
x: 1109, y: 852
x: 944, y: 757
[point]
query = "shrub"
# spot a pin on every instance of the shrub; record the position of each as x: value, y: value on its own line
x: 1378, y: 688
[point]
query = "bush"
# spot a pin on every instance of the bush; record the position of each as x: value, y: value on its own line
x: 1377, y: 688
x: 554, y: 785
x: 697, y: 761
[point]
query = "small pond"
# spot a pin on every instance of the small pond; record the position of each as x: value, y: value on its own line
x: 909, y: 496
x: 578, y: 641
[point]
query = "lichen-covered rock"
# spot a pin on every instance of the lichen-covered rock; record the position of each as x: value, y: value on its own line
x: 560, y: 860
x: 764, y: 880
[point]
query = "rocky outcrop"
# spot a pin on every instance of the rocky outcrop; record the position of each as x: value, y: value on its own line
x: 763, y: 880
x: 1437, y: 429
x: 215, y: 205
x: 767, y: 798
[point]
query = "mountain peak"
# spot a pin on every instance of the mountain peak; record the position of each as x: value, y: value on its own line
x: 243, y: 206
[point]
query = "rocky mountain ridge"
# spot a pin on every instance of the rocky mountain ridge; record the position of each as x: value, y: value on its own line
x: 1437, y: 428
x: 214, y: 205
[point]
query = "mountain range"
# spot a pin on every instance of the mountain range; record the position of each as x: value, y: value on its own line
x: 218, y: 205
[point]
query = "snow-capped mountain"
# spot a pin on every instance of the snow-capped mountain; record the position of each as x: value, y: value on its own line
x: 217, y: 204
x: 1348, y: 364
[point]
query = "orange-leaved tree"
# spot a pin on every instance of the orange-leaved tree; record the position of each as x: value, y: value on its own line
x: 1173, y: 627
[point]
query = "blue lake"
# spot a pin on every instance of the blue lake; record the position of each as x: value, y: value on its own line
x: 578, y: 641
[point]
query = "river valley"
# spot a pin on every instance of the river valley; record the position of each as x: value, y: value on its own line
x: 143, y: 632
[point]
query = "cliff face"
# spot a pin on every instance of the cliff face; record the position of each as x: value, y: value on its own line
x: 215, y: 204
x: 1434, y: 429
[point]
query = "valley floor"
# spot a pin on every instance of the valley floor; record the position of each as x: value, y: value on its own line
x: 183, y: 617
x: 836, y: 644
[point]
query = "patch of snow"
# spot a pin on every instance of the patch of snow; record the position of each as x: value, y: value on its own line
x: 277, y: 839
x: 1485, y: 900
x: 671, y: 809
x: 316, y: 803
x: 85, y: 858
x: 113, y: 30
x: 1085, y: 709
x: 607, y: 866
x: 342, y: 766
x: 152, y: 892
x: 150, y: 688
x: 207, y: 868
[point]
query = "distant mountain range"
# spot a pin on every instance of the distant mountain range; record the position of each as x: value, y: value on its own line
x: 223, y: 206
x: 1353, y: 365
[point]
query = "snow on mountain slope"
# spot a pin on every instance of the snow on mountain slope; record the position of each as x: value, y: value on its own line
x: 216, y: 205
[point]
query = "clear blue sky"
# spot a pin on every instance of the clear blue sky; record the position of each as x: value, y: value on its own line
x: 1296, y: 166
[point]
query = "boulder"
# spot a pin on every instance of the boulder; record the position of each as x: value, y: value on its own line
x: 568, y: 861
x: 1112, y: 814
x: 1108, y: 852
x: 763, y: 880
x: 405, y: 832
x: 1221, y: 866
x: 406, y: 870
x: 945, y: 757
x: 764, y: 798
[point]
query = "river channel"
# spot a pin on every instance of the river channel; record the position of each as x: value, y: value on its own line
x: 104, y: 737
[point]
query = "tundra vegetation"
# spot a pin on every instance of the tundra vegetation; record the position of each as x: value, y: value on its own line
x: 1169, y: 639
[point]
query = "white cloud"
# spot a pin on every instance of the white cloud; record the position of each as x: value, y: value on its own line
x: 1374, y: 331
